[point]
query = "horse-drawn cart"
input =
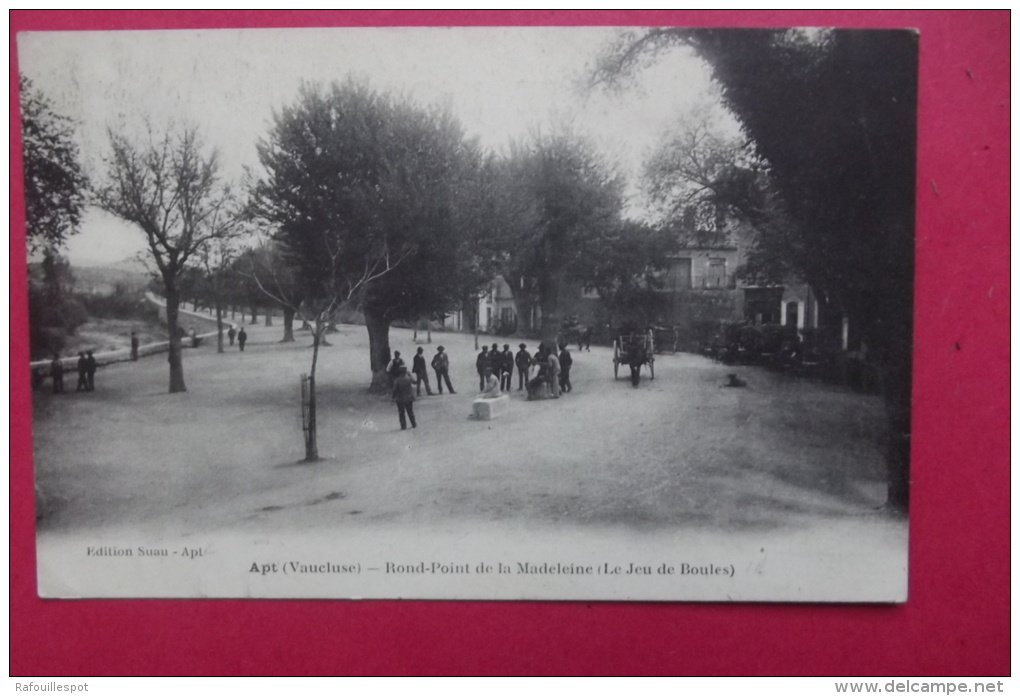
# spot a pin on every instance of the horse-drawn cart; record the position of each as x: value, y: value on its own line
x: 634, y: 349
x: 667, y: 338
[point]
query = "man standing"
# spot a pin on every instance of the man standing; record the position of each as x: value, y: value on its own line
x: 134, y: 345
x: 496, y: 360
x: 441, y: 364
x: 396, y: 365
x: 482, y: 362
x: 523, y: 361
x: 83, y: 381
x: 565, y: 362
x: 542, y: 376
x: 554, y: 372
x: 242, y: 338
x: 507, y: 359
x: 421, y: 372
x: 403, y: 394
x: 90, y: 370
x: 57, y: 374
x: 231, y: 332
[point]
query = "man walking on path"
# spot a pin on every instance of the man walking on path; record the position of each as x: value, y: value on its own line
x: 421, y: 372
x: 441, y: 364
x: 231, y: 332
x: 90, y: 370
x: 57, y: 374
x: 565, y: 362
x: 134, y: 345
x: 507, y: 360
x: 403, y: 394
x: 523, y: 361
x: 481, y: 362
x: 242, y: 338
x: 83, y: 381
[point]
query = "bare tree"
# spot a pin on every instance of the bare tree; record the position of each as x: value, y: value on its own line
x: 320, y: 301
x: 170, y: 189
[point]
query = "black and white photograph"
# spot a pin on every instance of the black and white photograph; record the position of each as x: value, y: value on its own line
x: 536, y: 313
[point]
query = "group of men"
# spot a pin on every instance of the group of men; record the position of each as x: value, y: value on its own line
x: 495, y: 369
x: 553, y: 370
x: 86, y: 372
x: 404, y: 386
x: 240, y: 335
x: 495, y: 374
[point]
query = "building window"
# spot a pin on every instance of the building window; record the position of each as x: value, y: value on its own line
x: 716, y: 276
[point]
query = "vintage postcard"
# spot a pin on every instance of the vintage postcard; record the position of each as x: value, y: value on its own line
x: 471, y: 313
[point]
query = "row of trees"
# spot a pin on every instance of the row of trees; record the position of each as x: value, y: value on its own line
x: 365, y: 200
x: 368, y: 200
x: 828, y: 177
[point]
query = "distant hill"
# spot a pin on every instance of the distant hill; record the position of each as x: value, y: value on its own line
x: 102, y: 279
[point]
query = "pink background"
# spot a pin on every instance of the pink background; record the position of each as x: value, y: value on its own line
x: 957, y: 618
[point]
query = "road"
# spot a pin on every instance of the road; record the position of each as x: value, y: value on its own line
x: 679, y: 452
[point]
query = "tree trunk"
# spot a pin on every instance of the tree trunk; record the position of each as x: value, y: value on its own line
x: 254, y: 315
x: 269, y: 318
x: 219, y: 327
x: 379, y: 351
x: 311, y: 439
x: 288, y: 325
x: 173, y: 299
x: 549, y: 286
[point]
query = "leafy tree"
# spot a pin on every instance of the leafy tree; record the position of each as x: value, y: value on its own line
x: 623, y: 265
x: 55, y: 185
x: 833, y: 113
x: 361, y: 191
x: 170, y: 189
x: 571, y: 197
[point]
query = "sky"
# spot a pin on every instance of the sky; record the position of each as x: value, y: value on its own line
x: 502, y: 82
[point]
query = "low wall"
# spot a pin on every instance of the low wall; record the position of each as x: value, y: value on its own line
x: 109, y: 357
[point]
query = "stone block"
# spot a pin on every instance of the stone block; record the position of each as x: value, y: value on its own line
x: 487, y: 409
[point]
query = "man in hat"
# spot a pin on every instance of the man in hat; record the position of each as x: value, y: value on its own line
x: 90, y: 370
x: 396, y: 365
x: 57, y: 374
x: 507, y: 360
x: 554, y: 372
x: 134, y: 345
x: 421, y: 372
x: 481, y: 362
x: 441, y: 364
x: 83, y: 380
x: 231, y: 333
x: 403, y: 394
x: 496, y: 360
x: 242, y: 337
x: 565, y: 362
x: 523, y: 360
